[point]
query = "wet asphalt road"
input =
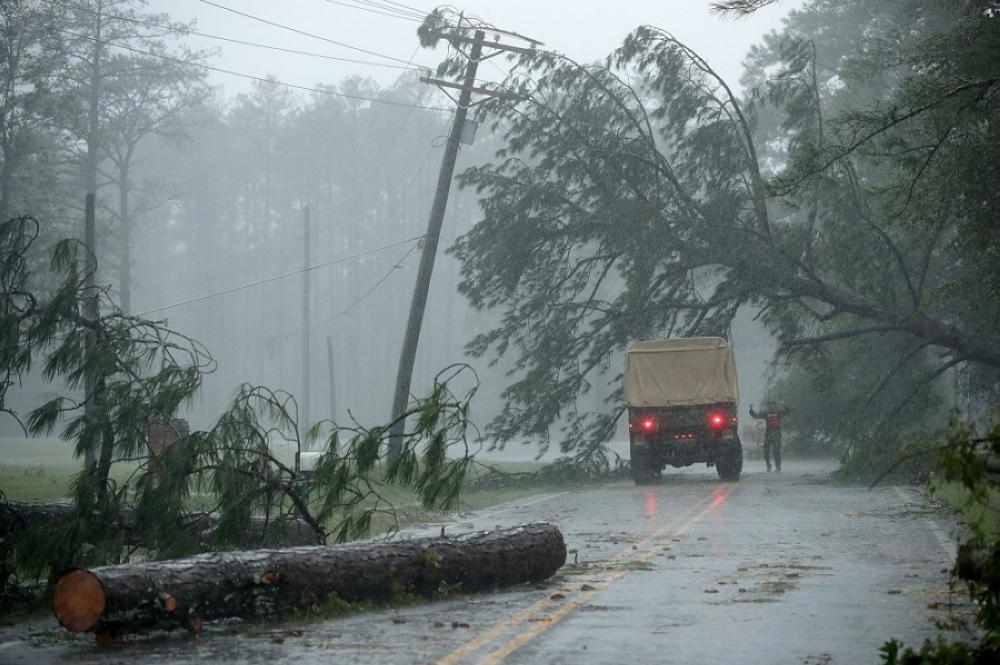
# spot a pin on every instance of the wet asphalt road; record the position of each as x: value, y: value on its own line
x: 787, y: 568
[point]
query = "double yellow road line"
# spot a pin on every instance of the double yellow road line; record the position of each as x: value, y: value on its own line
x: 536, y: 624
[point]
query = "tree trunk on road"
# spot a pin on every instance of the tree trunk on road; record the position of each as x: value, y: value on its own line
x: 161, y: 595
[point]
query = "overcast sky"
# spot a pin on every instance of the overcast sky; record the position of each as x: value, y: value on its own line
x: 586, y: 30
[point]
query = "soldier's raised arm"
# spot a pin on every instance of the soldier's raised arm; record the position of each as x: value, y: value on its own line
x: 755, y: 414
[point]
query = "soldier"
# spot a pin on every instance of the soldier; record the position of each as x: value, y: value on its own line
x: 772, y: 431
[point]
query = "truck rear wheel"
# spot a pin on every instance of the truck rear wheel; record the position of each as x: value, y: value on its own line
x: 730, y: 462
x: 642, y: 471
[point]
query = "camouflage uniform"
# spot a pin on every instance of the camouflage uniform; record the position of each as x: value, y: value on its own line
x: 772, y: 432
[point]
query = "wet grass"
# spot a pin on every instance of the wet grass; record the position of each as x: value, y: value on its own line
x: 42, y: 470
x: 957, y: 497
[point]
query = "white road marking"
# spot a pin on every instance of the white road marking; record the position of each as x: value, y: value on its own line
x: 946, y: 543
x: 516, y: 503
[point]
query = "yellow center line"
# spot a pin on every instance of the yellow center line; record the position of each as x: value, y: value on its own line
x: 535, y: 629
x: 698, y: 510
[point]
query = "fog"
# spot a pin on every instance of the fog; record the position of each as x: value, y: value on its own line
x: 585, y: 30
x: 218, y: 243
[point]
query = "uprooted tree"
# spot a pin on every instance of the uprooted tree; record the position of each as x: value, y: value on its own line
x: 143, y: 373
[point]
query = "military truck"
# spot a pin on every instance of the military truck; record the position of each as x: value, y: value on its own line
x: 682, y: 396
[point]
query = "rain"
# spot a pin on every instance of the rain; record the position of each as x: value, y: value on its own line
x: 499, y: 332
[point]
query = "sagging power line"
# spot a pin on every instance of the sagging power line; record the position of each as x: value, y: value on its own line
x: 275, y: 278
x: 397, y: 15
x: 302, y: 32
x: 261, y: 79
x: 179, y: 29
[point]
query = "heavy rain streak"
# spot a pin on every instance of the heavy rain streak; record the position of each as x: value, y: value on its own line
x: 500, y: 332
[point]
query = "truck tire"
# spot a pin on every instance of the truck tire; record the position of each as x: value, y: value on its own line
x: 730, y: 462
x: 642, y: 473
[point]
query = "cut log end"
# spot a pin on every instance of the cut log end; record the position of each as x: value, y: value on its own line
x: 78, y: 600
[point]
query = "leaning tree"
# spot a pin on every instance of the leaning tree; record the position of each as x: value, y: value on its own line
x: 631, y: 200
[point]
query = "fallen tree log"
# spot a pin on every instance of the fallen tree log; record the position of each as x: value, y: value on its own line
x: 113, y: 600
x: 19, y: 516
x: 16, y: 516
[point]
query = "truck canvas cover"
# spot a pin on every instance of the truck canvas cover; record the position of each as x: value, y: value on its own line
x: 680, y: 372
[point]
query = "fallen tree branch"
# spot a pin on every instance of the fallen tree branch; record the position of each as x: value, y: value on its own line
x: 17, y: 517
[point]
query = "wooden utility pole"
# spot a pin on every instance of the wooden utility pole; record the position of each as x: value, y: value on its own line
x: 333, y: 377
x: 304, y: 401
x: 91, y: 306
x: 408, y: 355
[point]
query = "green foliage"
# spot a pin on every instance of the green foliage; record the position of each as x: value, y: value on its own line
x: 333, y: 606
x: 144, y: 373
x: 972, y: 460
x: 586, y: 223
x: 864, y: 399
x: 632, y: 201
x: 886, y: 453
x: 938, y: 652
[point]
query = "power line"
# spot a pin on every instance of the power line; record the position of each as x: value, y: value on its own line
x: 395, y: 7
x: 261, y: 79
x: 231, y: 40
x: 400, y: 16
x: 396, y: 266
x: 422, y: 12
x: 302, y: 32
x: 275, y: 278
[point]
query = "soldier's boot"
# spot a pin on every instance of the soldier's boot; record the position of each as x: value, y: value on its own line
x: 767, y: 455
x: 777, y: 457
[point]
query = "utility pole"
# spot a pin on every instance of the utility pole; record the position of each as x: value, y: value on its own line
x: 408, y: 355
x: 333, y: 377
x: 93, y: 453
x: 304, y: 401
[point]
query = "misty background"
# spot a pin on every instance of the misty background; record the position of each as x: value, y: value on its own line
x: 217, y: 196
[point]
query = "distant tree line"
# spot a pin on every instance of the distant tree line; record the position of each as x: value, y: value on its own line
x: 199, y: 193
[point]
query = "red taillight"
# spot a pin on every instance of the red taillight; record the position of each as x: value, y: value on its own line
x: 717, y: 420
x: 648, y: 425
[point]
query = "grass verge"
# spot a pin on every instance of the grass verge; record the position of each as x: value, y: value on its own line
x: 957, y: 496
x: 41, y: 470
